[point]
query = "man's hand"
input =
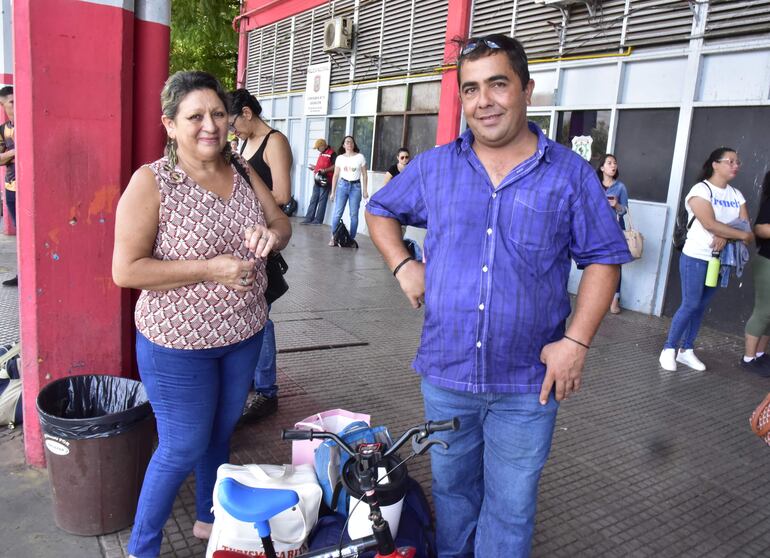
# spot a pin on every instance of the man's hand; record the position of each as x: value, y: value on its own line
x: 564, y: 362
x: 411, y: 278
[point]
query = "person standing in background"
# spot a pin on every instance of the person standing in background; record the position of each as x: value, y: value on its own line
x: 755, y: 356
x: 8, y: 159
x: 350, y: 174
x: 402, y: 159
x: 714, y: 203
x: 323, y: 172
x: 269, y: 154
x: 617, y: 196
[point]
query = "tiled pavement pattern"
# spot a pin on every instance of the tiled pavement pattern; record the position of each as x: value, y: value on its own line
x: 644, y: 462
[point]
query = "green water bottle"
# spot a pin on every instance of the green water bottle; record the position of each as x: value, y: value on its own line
x: 712, y: 273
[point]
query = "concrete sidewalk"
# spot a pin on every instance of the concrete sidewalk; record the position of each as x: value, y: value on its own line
x: 644, y: 462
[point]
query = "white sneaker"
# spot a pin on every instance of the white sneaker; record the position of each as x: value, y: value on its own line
x: 668, y: 359
x: 688, y: 358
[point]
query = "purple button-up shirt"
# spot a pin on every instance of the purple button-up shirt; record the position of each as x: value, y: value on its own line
x: 498, y: 259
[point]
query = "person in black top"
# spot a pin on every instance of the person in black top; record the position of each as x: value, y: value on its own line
x: 394, y: 170
x: 8, y: 158
x: 268, y: 152
x: 758, y: 326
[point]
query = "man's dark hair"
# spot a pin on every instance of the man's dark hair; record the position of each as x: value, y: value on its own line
x: 512, y: 49
x: 241, y: 98
x: 5, y: 91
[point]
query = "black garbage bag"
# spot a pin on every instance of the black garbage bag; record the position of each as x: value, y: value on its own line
x: 91, y: 406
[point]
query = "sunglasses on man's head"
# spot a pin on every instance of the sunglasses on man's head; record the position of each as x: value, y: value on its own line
x: 473, y: 44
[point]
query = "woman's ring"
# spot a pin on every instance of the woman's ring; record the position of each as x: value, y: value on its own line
x: 244, y: 282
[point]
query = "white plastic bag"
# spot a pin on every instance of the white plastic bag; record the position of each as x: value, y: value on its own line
x: 290, y: 528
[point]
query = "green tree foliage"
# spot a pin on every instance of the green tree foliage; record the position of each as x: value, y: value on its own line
x: 202, y: 38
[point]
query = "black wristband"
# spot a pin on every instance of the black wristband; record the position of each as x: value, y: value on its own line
x: 399, y: 266
x: 578, y: 342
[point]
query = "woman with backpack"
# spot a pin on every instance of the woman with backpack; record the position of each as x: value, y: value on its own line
x: 755, y: 358
x: 349, y: 183
x: 714, y: 204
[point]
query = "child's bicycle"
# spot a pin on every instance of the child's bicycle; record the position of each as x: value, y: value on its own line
x: 258, y: 505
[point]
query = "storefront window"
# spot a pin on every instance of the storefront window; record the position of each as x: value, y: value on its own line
x: 336, y: 132
x: 393, y: 98
x: 542, y: 120
x: 363, y: 128
x: 421, y: 133
x: 390, y: 132
x: 591, y: 127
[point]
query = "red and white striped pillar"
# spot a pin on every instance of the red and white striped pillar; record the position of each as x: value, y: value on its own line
x: 73, y: 78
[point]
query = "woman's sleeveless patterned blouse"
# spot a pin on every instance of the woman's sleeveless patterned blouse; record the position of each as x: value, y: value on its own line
x: 197, y: 224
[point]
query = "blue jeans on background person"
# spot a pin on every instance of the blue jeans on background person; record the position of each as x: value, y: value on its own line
x: 316, y: 210
x: 696, y: 297
x: 197, y: 397
x: 347, y: 191
x: 485, y: 484
x: 10, y: 201
x: 266, y: 369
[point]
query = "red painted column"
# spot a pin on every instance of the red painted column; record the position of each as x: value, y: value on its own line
x: 73, y: 73
x: 458, y: 23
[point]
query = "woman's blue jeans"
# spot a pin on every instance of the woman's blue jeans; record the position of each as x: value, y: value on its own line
x: 485, y: 484
x: 197, y: 397
x: 347, y: 191
x: 696, y: 297
x: 267, y: 366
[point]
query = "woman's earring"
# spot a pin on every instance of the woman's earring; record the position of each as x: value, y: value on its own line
x: 171, y: 152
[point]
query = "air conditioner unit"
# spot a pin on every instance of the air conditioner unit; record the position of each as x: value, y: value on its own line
x: 338, y: 34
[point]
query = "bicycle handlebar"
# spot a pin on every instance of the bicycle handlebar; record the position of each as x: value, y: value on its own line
x: 421, y: 432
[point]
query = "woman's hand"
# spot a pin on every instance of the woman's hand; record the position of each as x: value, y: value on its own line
x: 748, y: 238
x: 718, y: 243
x: 232, y: 272
x: 613, y: 202
x: 260, y: 240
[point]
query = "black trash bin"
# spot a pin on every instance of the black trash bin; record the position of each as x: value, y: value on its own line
x: 98, y: 433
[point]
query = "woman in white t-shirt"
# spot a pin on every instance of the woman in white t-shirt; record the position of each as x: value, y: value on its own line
x: 714, y: 203
x: 349, y: 177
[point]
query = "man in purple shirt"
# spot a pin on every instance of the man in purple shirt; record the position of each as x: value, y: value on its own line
x: 505, y: 210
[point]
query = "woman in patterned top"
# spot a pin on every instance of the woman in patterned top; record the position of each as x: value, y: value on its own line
x: 193, y: 235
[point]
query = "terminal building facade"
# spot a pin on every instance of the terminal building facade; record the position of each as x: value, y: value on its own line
x: 659, y: 83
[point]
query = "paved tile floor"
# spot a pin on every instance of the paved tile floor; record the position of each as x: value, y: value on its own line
x: 644, y: 462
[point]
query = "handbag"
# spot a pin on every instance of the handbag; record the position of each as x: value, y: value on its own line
x: 333, y: 420
x: 290, y: 528
x: 634, y: 238
x: 760, y: 420
x: 275, y: 268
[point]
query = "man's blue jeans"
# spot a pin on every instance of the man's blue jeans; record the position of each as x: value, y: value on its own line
x: 316, y: 210
x: 485, y: 484
x: 696, y: 297
x: 347, y: 191
x: 266, y: 369
x: 197, y: 397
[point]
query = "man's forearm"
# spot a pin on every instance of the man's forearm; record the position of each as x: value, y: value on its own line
x: 385, y: 232
x: 597, y: 287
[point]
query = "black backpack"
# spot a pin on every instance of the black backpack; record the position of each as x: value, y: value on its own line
x: 682, y: 225
x: 342, y: 237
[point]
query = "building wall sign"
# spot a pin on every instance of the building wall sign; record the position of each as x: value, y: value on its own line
x: 582, y: 146
x: 317, y: 89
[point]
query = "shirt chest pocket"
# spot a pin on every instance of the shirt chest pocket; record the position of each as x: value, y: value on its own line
x: 535, y: 219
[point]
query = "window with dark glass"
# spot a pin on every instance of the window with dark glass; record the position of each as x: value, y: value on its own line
x: 407, y: 116
x: 594, y: 124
